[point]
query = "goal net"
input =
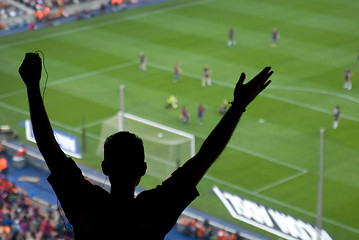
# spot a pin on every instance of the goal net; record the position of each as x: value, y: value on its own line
x: 166, y: 148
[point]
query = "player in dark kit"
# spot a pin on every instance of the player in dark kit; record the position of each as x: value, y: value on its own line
x: 200, y: 113
x: 231, y: 38
x: 336, y: 114
x: 348, y: 81
x: 275, y: 36
x: 185, y: 115
x: 118, y: 214
x: 143, y: 65
x: 176, y: 72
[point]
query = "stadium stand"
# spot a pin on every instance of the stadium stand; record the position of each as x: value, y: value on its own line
x: 8, y: 10
x: 14, y: 14
x: 35, y: 14
x: 23, y: 218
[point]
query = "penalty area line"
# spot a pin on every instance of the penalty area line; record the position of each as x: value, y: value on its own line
x: 276, y: 183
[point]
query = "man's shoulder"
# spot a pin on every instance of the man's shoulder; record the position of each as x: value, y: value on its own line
x: 176, y: 184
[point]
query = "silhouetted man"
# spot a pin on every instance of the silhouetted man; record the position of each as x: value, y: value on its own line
x: 97, y: 214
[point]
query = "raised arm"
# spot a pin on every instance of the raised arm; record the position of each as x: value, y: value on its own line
x: 215, y: 143
x: 30, y: 71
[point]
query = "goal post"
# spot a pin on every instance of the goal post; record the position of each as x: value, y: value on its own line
x: 164, y: 128
x: 166, y: 148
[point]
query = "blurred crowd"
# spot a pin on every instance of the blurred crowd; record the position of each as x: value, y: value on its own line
x: 8, y: 10
x: 203, y: 230
x: 44, y: 11
x: 20, y: 219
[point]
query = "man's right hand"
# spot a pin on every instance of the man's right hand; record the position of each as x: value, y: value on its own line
x: 30, y: 69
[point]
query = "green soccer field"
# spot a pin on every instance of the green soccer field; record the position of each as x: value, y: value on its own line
x: 273, y: 155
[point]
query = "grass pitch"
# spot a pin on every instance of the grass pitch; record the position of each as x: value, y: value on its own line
x: 273, y: 155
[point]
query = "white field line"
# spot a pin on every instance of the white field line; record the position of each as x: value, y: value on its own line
x: 14, y: 93
x: 228, y: 184
x: 92, y: 73
x: 214, y: 179
x: 309, y: 106
x: 265, y: 157
x: 320, y: 91
x: 14, y: 109
x: 282, y: 99
x: 74, y: 78
x: 276, y: 183
x: 104, y: 23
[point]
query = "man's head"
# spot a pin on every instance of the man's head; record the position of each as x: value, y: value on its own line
x: 124, y: 156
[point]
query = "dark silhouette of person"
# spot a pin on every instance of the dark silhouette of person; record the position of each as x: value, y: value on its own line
x: 119, y: 214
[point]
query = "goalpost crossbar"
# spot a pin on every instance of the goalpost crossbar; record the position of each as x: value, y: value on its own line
x: 160, y: 126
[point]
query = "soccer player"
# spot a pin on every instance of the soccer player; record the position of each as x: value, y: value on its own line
x: 97, y: 214
x: 185, y: 115
x: 200, y: 113
x: 143, y: 65
x: 223, y: 107
x: 231, y: 38
x: 348, y: 75
x: 172, y: 102
x: 206, y: 77
x: 275, y: 36
x: 177, y: 70
x: 336, y: 113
